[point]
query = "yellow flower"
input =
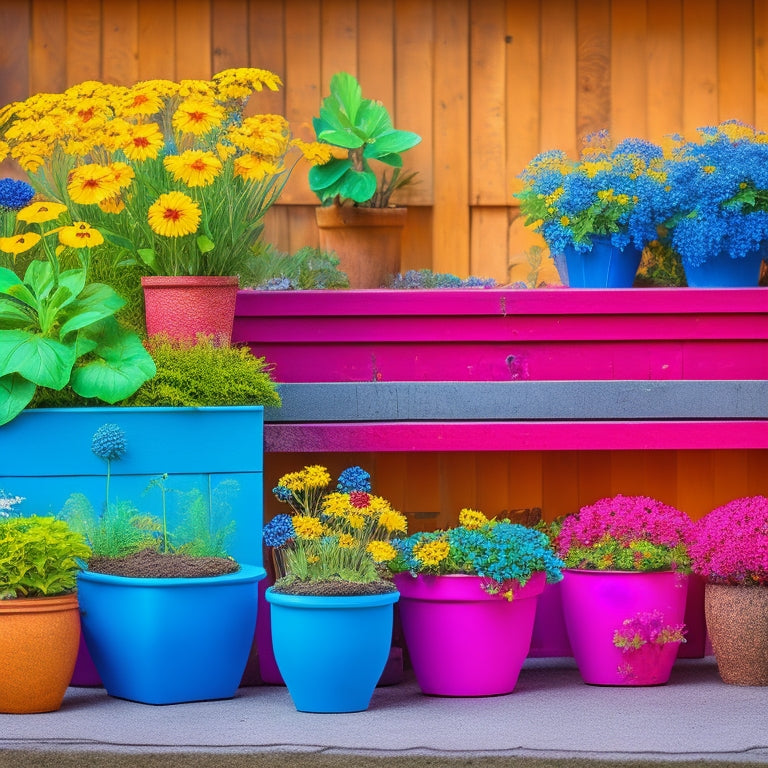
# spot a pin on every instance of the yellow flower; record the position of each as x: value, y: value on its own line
x: 198, y: 116
x: 4, y: 150
x: 356, y: 521
x: 80, y: 235
x: 307, y: 527
x: 347, y: 541
x: 141, y: 101
x: 472, y: 519
x: 255, y: 167
x: 123, y: 174
x: 144, y: 142
x: 431, y: 553
x: 194, y: 167
x: 30, y: 154
x: 314, y: 152
x: 92, y: 183
x: 19, y: 243
x: 174, y: 214
x: 37, y: 213
x: 316, y: 476
x: 112, y: 205
x: 293, y: 481
x: 381, y: 551
x: 225, y: 151
x: 393, y: 521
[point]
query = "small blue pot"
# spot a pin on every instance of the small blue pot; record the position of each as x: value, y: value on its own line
x: 166, y: 641
x: 331, y: 651
x: 605, y: 266
x: 723, y: 271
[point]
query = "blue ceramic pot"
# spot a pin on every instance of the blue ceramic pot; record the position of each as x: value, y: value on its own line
x: 172, y: 640
x: 723, y: 271
x: 331, y: 651
x: 605, y: 266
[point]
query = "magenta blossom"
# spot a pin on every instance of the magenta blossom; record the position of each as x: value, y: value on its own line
x: 731, y: 544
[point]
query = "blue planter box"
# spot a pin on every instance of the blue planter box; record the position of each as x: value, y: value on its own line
x: 216, y: 454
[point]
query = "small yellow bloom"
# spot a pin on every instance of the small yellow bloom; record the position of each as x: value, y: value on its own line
x: 314, y: 152
x: 472, y: 519
x: 316, y: 476
x: 431, y: 553
x: 123, y: 174
x: 307, y: 527
x: 198, y: 116
x: 347, y: 541
x: 112, y: 205
x: 4, y: 150
x: 37, y: 213
x: 194, y: 167
x: 80, y: 235
x: 19, y: 243
x: 174, y: 214
x: 144, y: 142
x: 293, y: 481
x: 356, y: 521
x: 142, y: 101
x: 92, y: 183
x: 381, y: 551
x: 565, y: 221
x: 392, y: 521
x: 255, y: 167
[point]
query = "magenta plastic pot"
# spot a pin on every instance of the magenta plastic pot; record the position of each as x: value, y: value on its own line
x: 461, y: 640
x: 597, y: 603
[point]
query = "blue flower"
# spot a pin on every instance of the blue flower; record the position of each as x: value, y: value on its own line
x: 278, y: 531
x: 282, y: 493
x: 109, y: 442
x: 354, y: 479
x: 14, y: 194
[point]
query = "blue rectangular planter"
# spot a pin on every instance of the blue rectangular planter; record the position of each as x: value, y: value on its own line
x: 217, y: 452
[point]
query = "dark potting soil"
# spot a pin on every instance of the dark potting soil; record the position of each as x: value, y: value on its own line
x: 334, y: 588
x: 151, y: 564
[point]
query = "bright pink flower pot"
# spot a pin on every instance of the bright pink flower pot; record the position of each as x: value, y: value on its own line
x: 461, y: 640
x: 595, y: 606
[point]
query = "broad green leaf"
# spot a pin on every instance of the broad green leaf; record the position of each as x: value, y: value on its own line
x: 8, y: 279
x: 341, y: 139
x: 321, y: 176
x: 147, y: 255
x: 205, y: 244
x: 116, y: 239
x: 15, y: 314
x: 39, y: 278
x: 392, y: 142
x: 44, y: 361
x: 96, y: 301
x: 15, y: 395
x: 358, y: 186
x: 373, y: 119
x: 347, y: 92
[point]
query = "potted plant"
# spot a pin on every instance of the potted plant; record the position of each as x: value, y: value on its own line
x: 720, y: 195
x: 175, y: 173
x: 167, y: 616
x: 332, y: 602
x: 597, y: 213
x: 472, y: 586
x: 624, y: 588
x: 730, y: 550
x: 356, y: 219
x: 57, y: 327
x: 38, y: 609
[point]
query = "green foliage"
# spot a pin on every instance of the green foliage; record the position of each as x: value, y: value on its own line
x: 364, y: 128
x: 426, y: 278
x: 306, y: 269
x: 613, y: 555
x: 660, y: 266
x: 38, y: 557
x: 202, y: 374
x: 207, y: 525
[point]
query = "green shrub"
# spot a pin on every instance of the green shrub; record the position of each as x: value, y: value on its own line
x: 308, y: 268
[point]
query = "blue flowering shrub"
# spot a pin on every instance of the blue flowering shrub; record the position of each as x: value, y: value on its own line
x: 503, y: 553
x: 618, y: 191
x: 718, y: 184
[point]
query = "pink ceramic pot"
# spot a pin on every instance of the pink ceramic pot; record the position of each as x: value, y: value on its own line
x: 595, y: 606
x: 461, y: 640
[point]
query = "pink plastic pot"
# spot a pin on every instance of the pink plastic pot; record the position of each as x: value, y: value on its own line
x: 461, y: 640
x: 595, y: 606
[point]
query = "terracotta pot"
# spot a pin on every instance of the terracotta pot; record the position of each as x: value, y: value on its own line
x: 366, y: 240
x: 183, y: 306
x: 737, y: 621
x: 38, y: 647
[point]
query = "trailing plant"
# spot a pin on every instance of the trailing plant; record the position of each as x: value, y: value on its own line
x: 626, y: 533
x: 333, y: 541
x: 38, y: 557
x: 426, y: 278
x: 306, y: 269
x: 504, y: 554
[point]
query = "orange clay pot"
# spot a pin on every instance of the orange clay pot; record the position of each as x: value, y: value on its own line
x: 39, y: 638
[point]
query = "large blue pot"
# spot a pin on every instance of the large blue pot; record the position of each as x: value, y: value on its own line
x: 172, y: 640
x: 331, y: 651
x: 605, y: 266
x: 724, y: 271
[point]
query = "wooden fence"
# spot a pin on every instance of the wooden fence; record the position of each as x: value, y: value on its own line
x: 486, y: 83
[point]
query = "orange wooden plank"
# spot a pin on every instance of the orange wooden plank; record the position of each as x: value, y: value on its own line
x: 48, y: 62
x: 492, y: 472
x: 266, y: 33
x: 593, y: 99
x: 417, y: 239
x: 423, y: 505
x: 458, y: 485
x: 450, y: 223
x: 700, y: 82
x: 338, y: 30
x: 761, y: 64
x: 757, y: 473
x: 522, y: 90
x: 489, y: 242
x: 193, y: 40
x: 695, y: 482
x: 735, y: 61
x: 14, y: 52
x: 157, y: 40
x: 731, y: 475
x: 594, y: 476
x: 560, y: 483
x: 230, y: 34
x: 120, y: 41
x: 414, y: 92
x: 558, y: 76
x: 629, y: 83
x: 83, y: 41
x: 376, y: 49
x: 665, y: 68
x: 528, y: 255
x: 524, y: 480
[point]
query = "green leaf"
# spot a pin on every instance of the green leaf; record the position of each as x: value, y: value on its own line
x: 41, y: 360
x: 116, y: 239
x: 347, y: 92
x: 392, y: 142
x: 322, y: 176
x: 358, y: 186
x: 345, y: 139
x: 14, y: 315
x: 147, y: 255
x: 205, y: 244
x: 39, y: 277
x: 15, y: 394
x: 96, y: 302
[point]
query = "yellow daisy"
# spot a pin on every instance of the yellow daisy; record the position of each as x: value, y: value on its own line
x: 112, y: 205
x: 198, y: 116
x: 80, y: 235
x: 92, y: 183
x: 123, y: 174
x: 144, y: 142
x: 174, y: 214
x: 316, y: 476
x: 255, y: 167
x: 431, y: 553
x: 19, y: 243
x: 472, y: 519
x: 393, y: 521
x: 347, y: 541
x: 37, y: 213
x: 194, y: 167
x: 381, y: 551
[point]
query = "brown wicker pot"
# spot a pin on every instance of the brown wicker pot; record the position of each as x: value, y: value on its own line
x: 38, y: 647
x: 366, y: 240
x: 737, y: 622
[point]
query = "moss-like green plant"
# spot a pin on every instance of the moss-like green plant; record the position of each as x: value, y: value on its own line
x: 306, y: 269
x: 207, y: 526
x: 38, y: 557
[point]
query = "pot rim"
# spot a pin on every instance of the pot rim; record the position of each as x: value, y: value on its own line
x: 246, y: 574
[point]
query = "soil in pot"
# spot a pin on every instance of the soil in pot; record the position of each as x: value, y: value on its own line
x: 334, y: 588
x: 151, y: 564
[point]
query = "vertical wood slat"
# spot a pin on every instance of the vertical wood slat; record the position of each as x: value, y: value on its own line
x: 376, y: 50
x: 193, y: 40
x: 14, y: 52
x: 338, y: 35
x: 628, y: 76
x: 593, y: 99
x: 83, y: 33
x: 157, y: 40
x: 665, y: 68
x: 120, y: 41
x: 230, y: 34
x: 761, y: 63
x: 700, y: 82
x: 48, y: 72
x: 735, y: 61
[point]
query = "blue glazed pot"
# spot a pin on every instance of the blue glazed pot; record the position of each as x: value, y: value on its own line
x: 723, y: 271
x: 331, y: 651
x: 172, y: 640
x: 605, y: 266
